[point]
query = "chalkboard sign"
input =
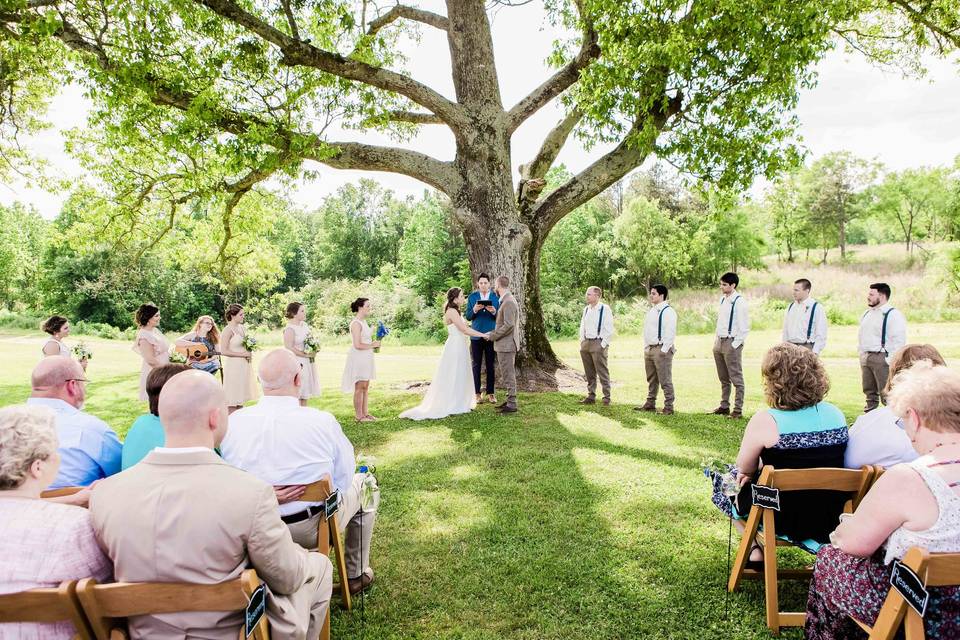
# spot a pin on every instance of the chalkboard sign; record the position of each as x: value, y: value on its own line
x: 332, y: 503
x: 255, y: 609
x: 910, y: 586
x: 766, y: 497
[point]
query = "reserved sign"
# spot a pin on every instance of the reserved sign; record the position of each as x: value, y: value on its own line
x: 255, y: 609
x: 909, y: 585
x: 332, y: 503
x: 766, y: 497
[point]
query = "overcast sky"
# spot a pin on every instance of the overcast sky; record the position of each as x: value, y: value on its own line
x: 902, y: 122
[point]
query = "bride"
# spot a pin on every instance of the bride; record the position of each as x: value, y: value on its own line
x: 451, y: 391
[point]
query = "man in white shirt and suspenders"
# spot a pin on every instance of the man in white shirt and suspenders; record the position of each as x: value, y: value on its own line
x: 883, y: 330
x: 805, y: 323
x: 659, y: 334
x: 733, y: 325
x: 596, y: 329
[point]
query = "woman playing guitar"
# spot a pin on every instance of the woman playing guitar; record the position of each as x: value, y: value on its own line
x: 200, y: 345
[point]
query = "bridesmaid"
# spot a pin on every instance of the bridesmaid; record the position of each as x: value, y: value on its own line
x: 59, y: 328
x: 294, y: 334
x: 359, y: 369
x: 238, y: 381
x: 149, y: 343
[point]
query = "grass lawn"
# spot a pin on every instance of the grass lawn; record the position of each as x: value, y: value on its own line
x: 557, y: 522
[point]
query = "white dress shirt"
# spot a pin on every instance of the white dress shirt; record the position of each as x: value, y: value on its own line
x: 591, y: 320
x: 797, y: 328
x: 282, y: 443
x: 871, y: 329
x: 667, y: 328
x: 875, y: 438
x: 737, y: 305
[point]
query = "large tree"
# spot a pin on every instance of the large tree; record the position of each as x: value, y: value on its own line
x: 198, y: 101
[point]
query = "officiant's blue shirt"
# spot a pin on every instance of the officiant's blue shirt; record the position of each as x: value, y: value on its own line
x: 482, y: 321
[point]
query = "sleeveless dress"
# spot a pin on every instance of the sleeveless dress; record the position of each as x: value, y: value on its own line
x: 451, y: 391
x: 161, y: 351
x: 64, y: 350
x: 845, y: 585
x: 359, y: 365
x: 238, y: 382
x: 309, y: 380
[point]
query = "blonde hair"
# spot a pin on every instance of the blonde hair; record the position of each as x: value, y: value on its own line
x: 932, y: 391
x: 907, y: 356
x: 27, y: 434
x: 793, y: 377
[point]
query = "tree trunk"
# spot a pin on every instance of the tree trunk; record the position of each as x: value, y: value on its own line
x: 843, y: 240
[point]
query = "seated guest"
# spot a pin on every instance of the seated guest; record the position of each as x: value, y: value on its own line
x: 184, y: 515
x: 798, y: 431
x: 289, y: 446
x: 41, y: 543
x: 89, y: 449
x: 146, y: 433
x: 876, y: 438
x: 912, y: 504
x: 204, y: 332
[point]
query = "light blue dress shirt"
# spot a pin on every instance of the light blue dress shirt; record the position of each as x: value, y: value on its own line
x: 89, y: 449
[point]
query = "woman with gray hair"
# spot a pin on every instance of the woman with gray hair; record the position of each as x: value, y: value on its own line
x: 42, y: 543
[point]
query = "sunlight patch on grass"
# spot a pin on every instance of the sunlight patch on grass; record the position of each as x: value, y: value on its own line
x: 447, y: 513
x: 416, y: 443
x: 642, y: 434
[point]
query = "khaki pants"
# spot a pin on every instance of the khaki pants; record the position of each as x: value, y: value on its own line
x: 301, y: 614
x: 594, y: 357
x: 357, y: 522
x: 729, y: 363
x: 659, y: 367
x: 806, y: 345
x: 873, y: 373
x: 507, y: 375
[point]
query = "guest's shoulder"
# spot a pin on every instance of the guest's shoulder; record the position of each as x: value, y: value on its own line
x: 318, y: 416
x: 92, y: 422
x: 56, y: 514
x: 831, y: 411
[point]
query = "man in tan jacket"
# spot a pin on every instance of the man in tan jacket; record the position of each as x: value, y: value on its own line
x: 184, y: 515
x: 506, y: 342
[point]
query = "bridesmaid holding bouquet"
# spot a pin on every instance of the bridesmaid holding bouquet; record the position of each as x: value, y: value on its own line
x: 149, y: 343
x: 236, y: 360
x: 359, y: 369
x: 297, y: 338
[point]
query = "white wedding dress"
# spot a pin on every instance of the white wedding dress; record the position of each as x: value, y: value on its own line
x: 451, y: 391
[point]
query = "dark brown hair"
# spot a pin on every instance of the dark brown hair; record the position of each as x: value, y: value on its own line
x: 357, y: 304
x: 906, y: 356
x: 144, y: 313
x: 53, y: 324
x: 155, y: 381
x: 793, y: 377
x: 232, y: 310
x: 292, y: 309
x: 452, y: 294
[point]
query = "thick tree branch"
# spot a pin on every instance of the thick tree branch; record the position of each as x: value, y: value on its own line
x: 291, y: 20
x: 532, y: 174
x: 296, y: 52
x: 918, y: 16
x: 410, y: 13
x: 366, y: 157
x: 415, y: 117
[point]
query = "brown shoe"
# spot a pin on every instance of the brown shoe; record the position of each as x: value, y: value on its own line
x: 588, y: 400
x: 606, y: 402
x: 736, y: 415
x: 510, y: 408
x: 362, y: 583
x: 666, y: 412
x: 720, y: 411
x: 500, y: 406
x: 646, y: 407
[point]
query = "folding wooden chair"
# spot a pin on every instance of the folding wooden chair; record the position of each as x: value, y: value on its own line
x: 327, y: 531
x: 62, y: 491
x: 47, y: 605
x: 108, y: 605
x: 844, y: 480
x: 935, y: 570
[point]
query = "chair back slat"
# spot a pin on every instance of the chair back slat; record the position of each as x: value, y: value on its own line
x: 120, y: 600
x: 848, y: 480
x: 317, y: 491
x: 46, y: 606
x: 62, y: 491
x: 943, y: 570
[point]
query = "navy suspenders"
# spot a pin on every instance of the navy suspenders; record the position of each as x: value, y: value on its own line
x: 883, y: 329
x: 733, y: 306
x: 660, y: 324
x: 599, y: 322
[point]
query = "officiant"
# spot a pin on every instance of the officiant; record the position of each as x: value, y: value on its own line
x: 482, y: 306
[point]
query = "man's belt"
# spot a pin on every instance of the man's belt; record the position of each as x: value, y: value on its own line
x: 300, y: 516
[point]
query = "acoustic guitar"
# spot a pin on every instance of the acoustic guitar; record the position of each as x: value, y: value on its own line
x: 196, y: 352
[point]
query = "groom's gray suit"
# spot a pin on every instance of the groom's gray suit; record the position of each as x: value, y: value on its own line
x: 506, y: 342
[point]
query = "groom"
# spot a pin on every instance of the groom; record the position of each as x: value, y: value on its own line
x: 506, y: 342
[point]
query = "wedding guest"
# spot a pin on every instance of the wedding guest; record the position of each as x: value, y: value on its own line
x: 89, y: 449
x: 733, y: 325
x: 184, y: 515
x: 482, y: 306
x: 41, y: 543
x: 149, y: 343
x: 596, y: 330
x: 236, y: 359
x: 204, y: 332
x: 359, y: 369
x: 805, y: 322
x: 146, y: 433
x: 506, y: 342
x: 883, y: 330
x: 294, y: 335
x: 659, y: 334
x: 877, y: 437
x: 289, y: 446
x: 58, y: 328
x: 798, y: 431
x: 916, y: 504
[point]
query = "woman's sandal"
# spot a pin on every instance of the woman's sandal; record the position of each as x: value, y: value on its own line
x: 370, y: 418
x: 755, y: 565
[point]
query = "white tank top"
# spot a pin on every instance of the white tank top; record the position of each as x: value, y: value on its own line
x: 944, y: 535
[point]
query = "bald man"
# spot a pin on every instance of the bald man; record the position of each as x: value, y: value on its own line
x: 89, y: 449
x: 289, y: 446
x: 184, y: 515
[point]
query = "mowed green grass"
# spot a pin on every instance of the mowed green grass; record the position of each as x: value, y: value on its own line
x: 557, y: 522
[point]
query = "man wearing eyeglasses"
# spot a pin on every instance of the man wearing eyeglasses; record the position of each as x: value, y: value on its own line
x: 89, y: 449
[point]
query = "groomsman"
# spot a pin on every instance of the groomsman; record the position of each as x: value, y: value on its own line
x: 482, y: 308
x: 805, y: 323
x: 659, y: 334
x: 596, y: 329
x: 733, y: 325
x: 883, y: 330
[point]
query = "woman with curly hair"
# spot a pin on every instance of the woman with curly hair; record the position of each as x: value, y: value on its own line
x: 798, y: 431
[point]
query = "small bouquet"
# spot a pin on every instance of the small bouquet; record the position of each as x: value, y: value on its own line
x: 311, y: 346
x: 177, y: 357
x: 249, y: 343
x: 81, y: 352
x: 382, y: 332
x: 722, y: 475
x: 367, y: 466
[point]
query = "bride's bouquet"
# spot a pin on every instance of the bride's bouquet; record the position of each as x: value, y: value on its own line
x: 81, y: 352
x: 382, y: 332
x: 250, y: 343
x: 311, y: 346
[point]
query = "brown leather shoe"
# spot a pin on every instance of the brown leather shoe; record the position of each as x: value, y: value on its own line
x: 736, y: 415
x: 588, y: 400
x: 720, y: 411
x: 606, y: 402
x: 362, y: 583
x: 508, y: 409
x: 666, y: 412
x: 646, y: 407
